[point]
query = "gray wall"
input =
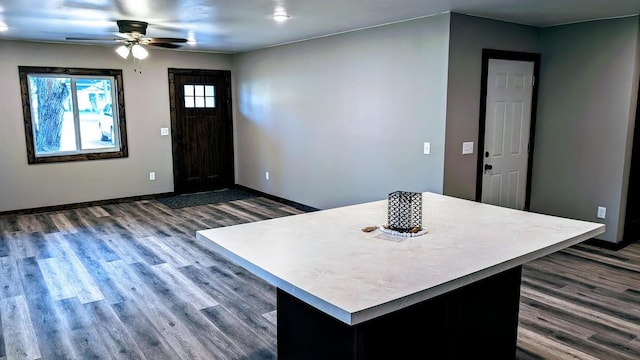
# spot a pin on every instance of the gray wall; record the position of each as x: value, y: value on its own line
x: 586, y: 115
x: 147, y: 109
x: 469, y: 35
x: 342, y: 119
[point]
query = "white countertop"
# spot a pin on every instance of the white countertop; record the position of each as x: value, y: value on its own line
x: 324, y: 259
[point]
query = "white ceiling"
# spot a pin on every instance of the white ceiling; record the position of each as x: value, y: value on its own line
x: 239, y: 25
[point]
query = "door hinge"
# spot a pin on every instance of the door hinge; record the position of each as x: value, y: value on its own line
x: 533, y: 81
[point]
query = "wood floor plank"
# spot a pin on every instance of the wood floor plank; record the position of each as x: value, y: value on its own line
x: 612, y: 259
x: 112, y: 332
x: 3, y: 353
x: 56, y: 275
x: 5, y: 250
x: 91, y: 246
x: 130, y: 225
x: 573, y: 271
x: 92, y: 255
x: 569, y: 340
x: 228, y: 296
x: 146, y: 336
x: 165, y: 252
x: 137, y: 312
x: 10, y: 284
x: 48, y: 326
x: 548, y: 348
x: 17, y: 329
x: 589, y: 300
x: 62, y: 223
x: 581, y: 323
x: 183, y: 287
x: 164, y: 320
x: 29, y: 223
x: 75, y: 272
x: 98, y: 211
x: 122, y: 246
x: 271, y: 316
x: 247, y: 337
x: 243, y: 304
x: 579, y: 310
x: 9, y: 224
x: 79, y: 330
x: 555, y: 320
x: 20, y: 246
x: 190, y: 250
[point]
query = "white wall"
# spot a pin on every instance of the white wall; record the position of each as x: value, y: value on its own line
x: 342, y: 119
x: 586, y: 117
x: 24, y: 186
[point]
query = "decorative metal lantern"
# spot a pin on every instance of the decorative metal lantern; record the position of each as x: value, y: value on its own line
x: 405, y: 211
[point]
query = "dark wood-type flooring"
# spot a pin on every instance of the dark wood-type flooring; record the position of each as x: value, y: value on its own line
x: 128, y: 281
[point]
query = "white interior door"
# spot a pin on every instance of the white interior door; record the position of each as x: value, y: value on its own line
x: 507, y: 127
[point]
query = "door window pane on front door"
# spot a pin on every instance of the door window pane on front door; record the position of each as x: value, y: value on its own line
x: 199, y: 96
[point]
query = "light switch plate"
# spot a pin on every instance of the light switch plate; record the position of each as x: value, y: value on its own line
x: 164, y: 131
x: 467, y: 147
x: 427, y: 148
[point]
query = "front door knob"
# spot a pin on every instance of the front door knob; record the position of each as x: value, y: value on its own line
x: 487, y: 167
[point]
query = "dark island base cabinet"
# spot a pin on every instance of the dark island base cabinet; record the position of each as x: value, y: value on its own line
x: 477, y: 321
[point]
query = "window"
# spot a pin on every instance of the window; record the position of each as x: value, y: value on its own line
x: 199, y: 96
x: 73, y: 114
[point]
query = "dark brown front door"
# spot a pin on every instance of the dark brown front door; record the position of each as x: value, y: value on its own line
x: 201, y: 129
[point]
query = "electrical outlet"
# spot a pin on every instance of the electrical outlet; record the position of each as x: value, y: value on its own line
x: 427, y: 148
x: 152, y: 175
x: 266, y: 175
x: 164, y: 131
x: 602, y: 212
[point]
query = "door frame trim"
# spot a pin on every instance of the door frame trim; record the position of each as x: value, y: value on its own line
x: 488, y: 54
x: 172, y: 72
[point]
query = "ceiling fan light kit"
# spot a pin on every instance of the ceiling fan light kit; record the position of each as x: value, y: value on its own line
x: 123, y: 51
x: 139, y: 52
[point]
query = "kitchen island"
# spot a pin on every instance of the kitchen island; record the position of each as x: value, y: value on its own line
x: 451, y: 293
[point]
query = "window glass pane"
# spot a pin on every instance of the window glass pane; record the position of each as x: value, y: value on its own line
x: 209, y: 90
x: 97, y: 124
x: 199, y: 102
x: 199, y: 90
x: 188, y: 90
x: 52, y: 114
x: 188, y: 102
x: 68, y: 136
x: 209, y: 102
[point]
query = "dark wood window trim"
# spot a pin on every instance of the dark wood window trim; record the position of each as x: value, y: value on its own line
x: 123, y: 152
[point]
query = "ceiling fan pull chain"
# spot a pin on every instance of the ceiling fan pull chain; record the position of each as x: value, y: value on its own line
x: 137, y: 68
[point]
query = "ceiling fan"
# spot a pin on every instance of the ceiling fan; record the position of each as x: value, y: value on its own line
x: 132, y: 36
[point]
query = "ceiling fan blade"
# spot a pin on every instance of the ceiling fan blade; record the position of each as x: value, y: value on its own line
x: 165, y: 45
x: 94, y: 39
x: 166, y: 40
